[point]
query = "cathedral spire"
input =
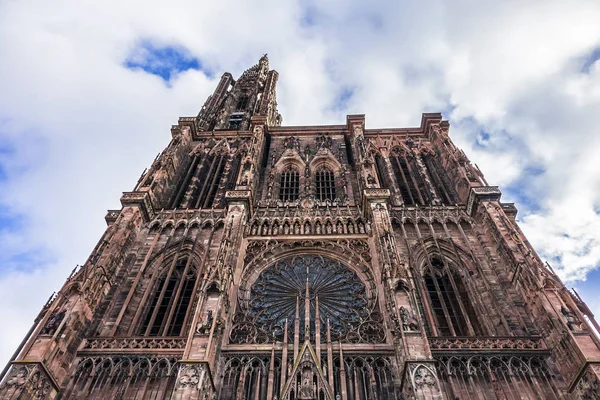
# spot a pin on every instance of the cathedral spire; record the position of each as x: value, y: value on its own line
x: 234, y: 102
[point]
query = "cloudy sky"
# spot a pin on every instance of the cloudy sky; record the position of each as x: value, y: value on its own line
x: 89, y: 89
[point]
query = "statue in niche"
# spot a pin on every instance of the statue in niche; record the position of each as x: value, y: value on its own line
x: 307, y: 388
x: 204, y: 327
x: 53, y: 323
x: 371, y: 180
x: 409, y: 322
x: 573, y: 322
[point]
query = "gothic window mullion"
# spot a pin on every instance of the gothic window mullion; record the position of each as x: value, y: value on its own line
x: 189, y: 306
x: 439, y: 184
x: 175, y: 300
x: 186, y: 181
x: 454, y: 311
x: 325, y: 183
x: 289, y: 189
x: 460, y: 302
x: 331, y: 185
x: 193, y: 188
x: 415, y: 184
x: 434, y: 277
x: 148, y: 307
x: 166, y: 305
x: 404, y: 181
x: 234, y: 172
x: 214, y: 184
x: 161, y: 296
x: 426, y: 302
x: 319, y: 185
x: 199, y: 195
x: 296, y: 186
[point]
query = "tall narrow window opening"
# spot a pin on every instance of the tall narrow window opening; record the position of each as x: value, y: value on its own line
x: 405, y: 183
x: 449, y: 302
x: 206, y: 189
x: 380, y: 170
x: 441, y: 186
x: 325, y: 185
x: 289, y: 188
x: 242, y: 103
x: 169, y: 302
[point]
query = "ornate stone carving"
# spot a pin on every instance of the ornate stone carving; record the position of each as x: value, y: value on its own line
x: 99, y: 344
x: 18, y: 376
x: 409, y: 322
x: 340, y: 293
x: 486, y: 343
x: 53, y: 322
x: 204, y: 327
x: 481, y: 193
x: 189, y: 375
x: 423, y: 376
x: 573, y: 322
x: 588, y: 387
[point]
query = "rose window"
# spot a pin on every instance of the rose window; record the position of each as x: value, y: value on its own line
x: 283, y: 287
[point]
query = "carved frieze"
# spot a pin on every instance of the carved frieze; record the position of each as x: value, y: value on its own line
x: 134, y: 344
x: 487, y: 344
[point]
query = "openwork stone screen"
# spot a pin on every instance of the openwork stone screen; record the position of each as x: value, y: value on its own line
x: 281, y: 292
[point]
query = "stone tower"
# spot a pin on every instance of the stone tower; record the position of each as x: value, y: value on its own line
x: 257, y: 261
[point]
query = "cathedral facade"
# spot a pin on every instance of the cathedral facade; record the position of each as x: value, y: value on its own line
x: 256, y: 261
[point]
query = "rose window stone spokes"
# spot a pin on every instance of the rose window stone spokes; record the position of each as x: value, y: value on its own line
x: 283, y: 287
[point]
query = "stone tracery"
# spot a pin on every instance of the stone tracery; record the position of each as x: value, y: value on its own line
x: 280, y: 294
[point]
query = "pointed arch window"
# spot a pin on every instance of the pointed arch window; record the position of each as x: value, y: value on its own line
x: 325, y: 181
x: 407, y: 184
x: 289, y: 185
x: 168, y: 305
x: 448, y: 301
x: 242, y: 103
x: 201, y: 183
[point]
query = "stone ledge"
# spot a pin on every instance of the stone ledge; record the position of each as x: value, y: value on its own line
x: 141, y: 200
x: 482, y: 193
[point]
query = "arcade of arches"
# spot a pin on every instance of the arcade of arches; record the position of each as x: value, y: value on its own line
x: 255, y: 261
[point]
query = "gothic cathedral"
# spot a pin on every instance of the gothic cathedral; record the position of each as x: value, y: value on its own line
x: 255, y: 261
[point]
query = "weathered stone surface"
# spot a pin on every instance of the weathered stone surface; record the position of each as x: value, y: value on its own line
x: 259, y: 261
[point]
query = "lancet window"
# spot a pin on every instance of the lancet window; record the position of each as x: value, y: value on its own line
x: 168, y: 304
x: 289, y: 185
x: 439, y: 179
x: 407, y: 182
x: 325, y: 184
x: 242, y: 103
x: 448, y: 300
x: 380, y: 170
x: 201, y: 183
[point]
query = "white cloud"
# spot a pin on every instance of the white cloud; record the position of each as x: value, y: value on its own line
x: 77, y: 128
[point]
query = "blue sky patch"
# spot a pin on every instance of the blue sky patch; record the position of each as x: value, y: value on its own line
x: 163, y: 61
x: 590, y: 59
x: 521, y: 193
x: 308, y: 17
x: 342, y: 98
